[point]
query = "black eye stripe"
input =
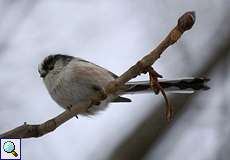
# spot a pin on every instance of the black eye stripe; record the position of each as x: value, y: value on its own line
x: 50, y: 60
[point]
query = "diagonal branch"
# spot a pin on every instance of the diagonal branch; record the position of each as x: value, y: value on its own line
x: 148, y: 134
x: 184, y: 23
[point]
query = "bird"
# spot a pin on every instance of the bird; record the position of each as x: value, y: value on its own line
x: 70, y: 80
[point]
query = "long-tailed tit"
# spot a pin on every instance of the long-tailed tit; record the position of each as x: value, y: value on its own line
x: 70, y: 80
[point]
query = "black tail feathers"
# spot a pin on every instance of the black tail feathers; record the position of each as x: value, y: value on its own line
x: 182, y: 85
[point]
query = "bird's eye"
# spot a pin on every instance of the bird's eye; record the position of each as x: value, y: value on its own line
x: 51, y: 67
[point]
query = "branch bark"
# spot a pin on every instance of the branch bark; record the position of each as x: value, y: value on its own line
x: 185, y: 22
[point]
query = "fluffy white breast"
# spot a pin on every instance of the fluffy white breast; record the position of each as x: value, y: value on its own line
x: 76, y: 82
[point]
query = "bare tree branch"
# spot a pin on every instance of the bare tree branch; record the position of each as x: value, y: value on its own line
x: 185, y: 23
x: 150, y: 131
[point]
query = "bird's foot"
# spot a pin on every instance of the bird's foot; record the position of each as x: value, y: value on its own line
x: 69, y: 109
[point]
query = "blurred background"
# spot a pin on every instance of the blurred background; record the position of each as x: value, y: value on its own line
x: 116, y: 34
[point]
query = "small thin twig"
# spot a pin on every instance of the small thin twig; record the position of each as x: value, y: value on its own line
x: 155, y: 85
x: 185, y: 23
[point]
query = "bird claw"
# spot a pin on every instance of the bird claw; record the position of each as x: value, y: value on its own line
x: 69, y: 109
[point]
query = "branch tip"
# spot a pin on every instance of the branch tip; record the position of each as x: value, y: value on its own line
x: 186, y: 21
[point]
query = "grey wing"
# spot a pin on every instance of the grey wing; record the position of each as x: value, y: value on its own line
x: 111, y: 73
x: 118, y: 98
x: 84, y: 78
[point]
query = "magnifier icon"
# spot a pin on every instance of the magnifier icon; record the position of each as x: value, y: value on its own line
x: 9, y: 147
